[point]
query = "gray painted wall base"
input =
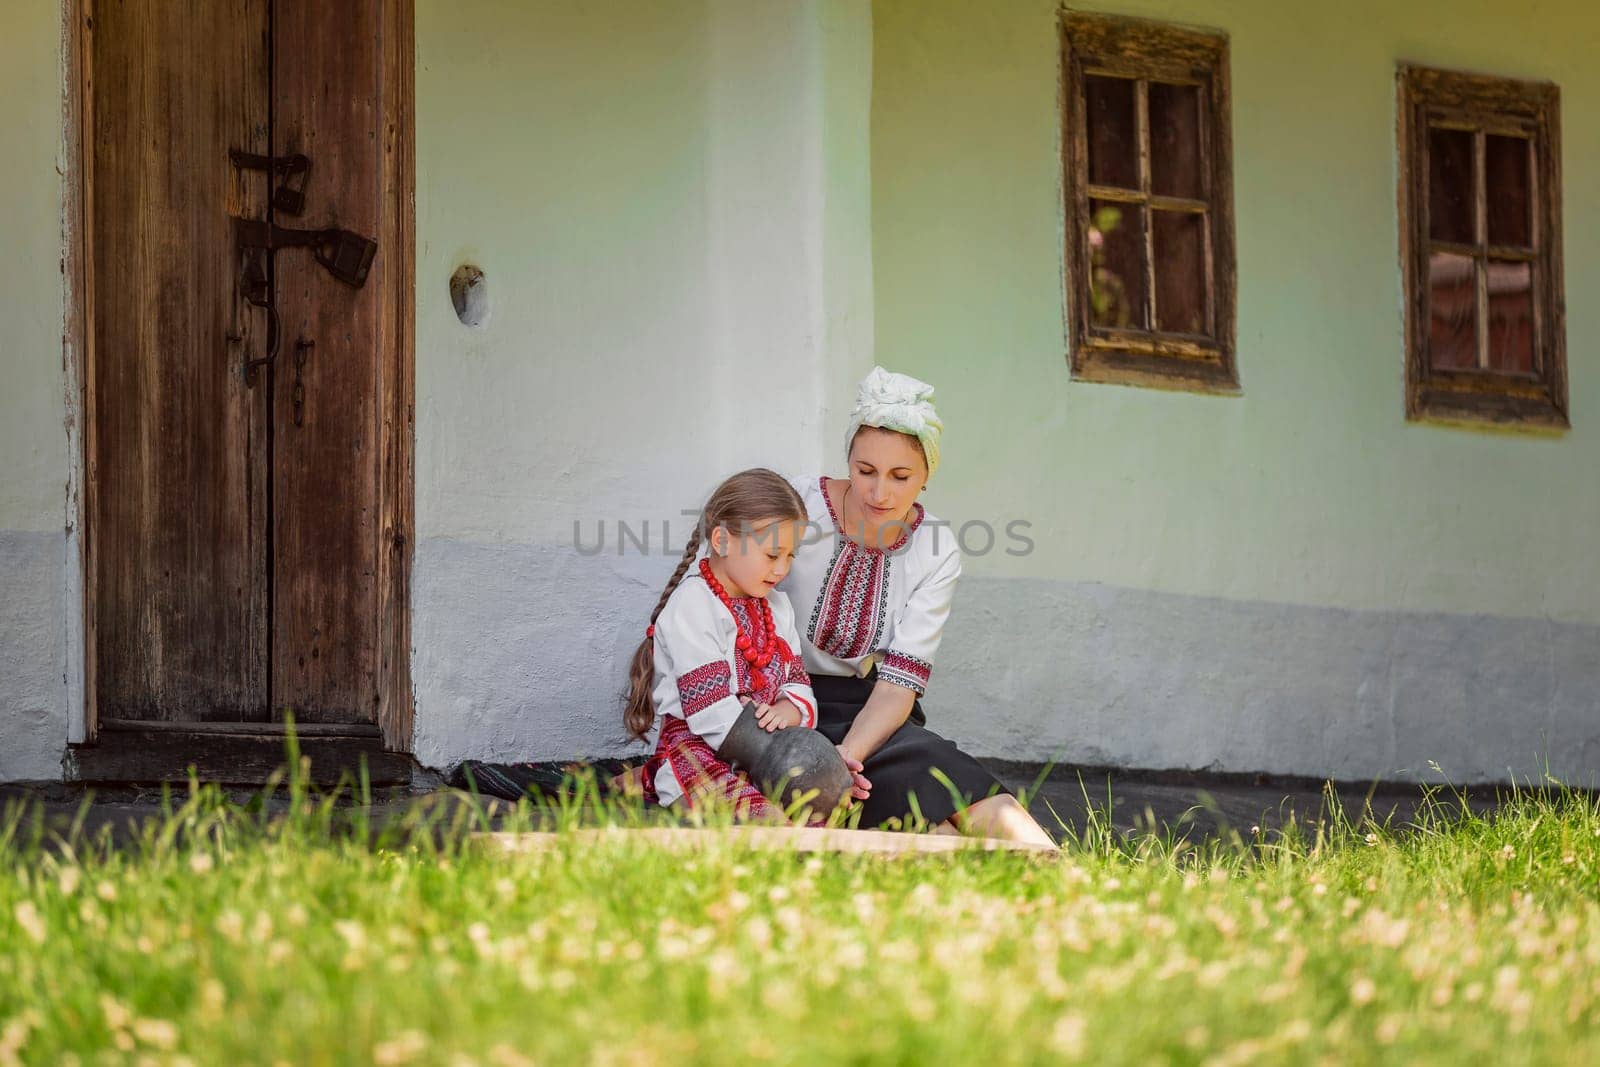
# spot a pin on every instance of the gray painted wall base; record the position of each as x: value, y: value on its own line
x: 521, y: 652
x: 33, y: 657
x: 1130, y: 678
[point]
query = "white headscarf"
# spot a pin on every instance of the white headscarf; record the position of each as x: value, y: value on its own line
x: 901, y: 403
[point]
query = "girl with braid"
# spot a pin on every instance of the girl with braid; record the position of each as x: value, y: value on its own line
x: 721, y: 635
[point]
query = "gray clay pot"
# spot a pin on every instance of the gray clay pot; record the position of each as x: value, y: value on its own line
x: 796, y: 760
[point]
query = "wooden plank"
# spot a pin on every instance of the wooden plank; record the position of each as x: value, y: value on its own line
x: 763, y: 839
x: 79, y: 306
x: 1141, y: 125
x: 328, y: 458
x: 167, y: 756
x: 397, y: 369
x: 243, y: 729
x: 175, y: 457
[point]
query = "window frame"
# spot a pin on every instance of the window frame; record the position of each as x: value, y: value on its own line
x: 1147, y: 50
x: 1426, y: 97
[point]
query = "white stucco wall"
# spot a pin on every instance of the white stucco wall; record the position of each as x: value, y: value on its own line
x: 670, y: 201
x: 38, y: 553
x: 1296, y: 579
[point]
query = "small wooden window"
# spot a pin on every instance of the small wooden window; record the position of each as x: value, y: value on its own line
x: 1480, y: 240
x: 1149, y: 204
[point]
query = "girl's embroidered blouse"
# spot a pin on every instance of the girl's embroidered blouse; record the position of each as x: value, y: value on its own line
x: 864, y: 607
x: 701, y: 676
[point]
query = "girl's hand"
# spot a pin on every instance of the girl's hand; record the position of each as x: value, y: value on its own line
x: 778, y: 716
x: 860, y: 789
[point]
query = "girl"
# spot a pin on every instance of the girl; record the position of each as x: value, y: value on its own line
x: 721, y: 635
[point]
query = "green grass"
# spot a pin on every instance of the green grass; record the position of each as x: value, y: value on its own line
x: 226, y: 936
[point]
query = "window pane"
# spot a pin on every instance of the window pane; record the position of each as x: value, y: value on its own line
x: 1175, y: 141
x: 1511, y: 317
x: 1113, y: 135
x: 1116, y: 274
x: 1505, y: 164
x: 1452, y: 310
x: 1450, y: 192
x: 1180, y: 250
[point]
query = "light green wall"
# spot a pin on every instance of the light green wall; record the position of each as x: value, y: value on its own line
x: 1311, y: 488
x: 33, y: 441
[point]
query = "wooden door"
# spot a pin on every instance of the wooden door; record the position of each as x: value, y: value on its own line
x: 246, y: 532
x: 177, y: 450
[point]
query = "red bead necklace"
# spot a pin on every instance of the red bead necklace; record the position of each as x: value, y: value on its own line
x: 757, y: 647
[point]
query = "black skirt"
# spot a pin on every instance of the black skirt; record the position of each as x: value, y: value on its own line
x: 902, y: 769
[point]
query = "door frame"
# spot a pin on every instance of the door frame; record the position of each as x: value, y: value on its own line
x: 397, y: 369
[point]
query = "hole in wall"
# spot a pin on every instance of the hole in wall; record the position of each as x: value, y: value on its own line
x: 469, y: 295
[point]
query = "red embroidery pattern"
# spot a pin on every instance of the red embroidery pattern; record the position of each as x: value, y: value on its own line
x: 762, y: 684
x: 908, y: 671
x: 700, y: 774
x: 852, y: 607
x: 703, y: 687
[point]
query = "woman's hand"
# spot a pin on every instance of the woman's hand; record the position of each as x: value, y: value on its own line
x: 779, y: 715
x: 860, y: 788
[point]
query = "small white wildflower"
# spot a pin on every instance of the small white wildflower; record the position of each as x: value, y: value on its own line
x: 213, y: 997
x: 1372, y: 839
x: 402, y: 1048
x: 1508, y: 852
x: 31, y: 921
x: 68, y: 881
x: 200, y: 862
x: 117, y: 1016
x: 1068, y: 1035
x: 158, y: 1033
x: 1363, y: 989
x: 354, y: 934
x: 106, y: 891
x: 230, y: 924
x: 506, y: 1056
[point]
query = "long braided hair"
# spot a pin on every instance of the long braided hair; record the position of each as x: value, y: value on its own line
x: 746, y: 498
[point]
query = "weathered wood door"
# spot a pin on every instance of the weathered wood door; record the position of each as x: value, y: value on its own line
x: 246, y: 531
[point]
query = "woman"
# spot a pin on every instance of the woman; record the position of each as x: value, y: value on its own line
x: 872, y: 596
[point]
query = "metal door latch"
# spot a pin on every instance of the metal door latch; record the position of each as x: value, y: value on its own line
x: 346, y: 255
x: 290, y: 196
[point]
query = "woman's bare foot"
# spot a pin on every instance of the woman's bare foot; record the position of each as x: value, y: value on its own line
x: 1000, y: 816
